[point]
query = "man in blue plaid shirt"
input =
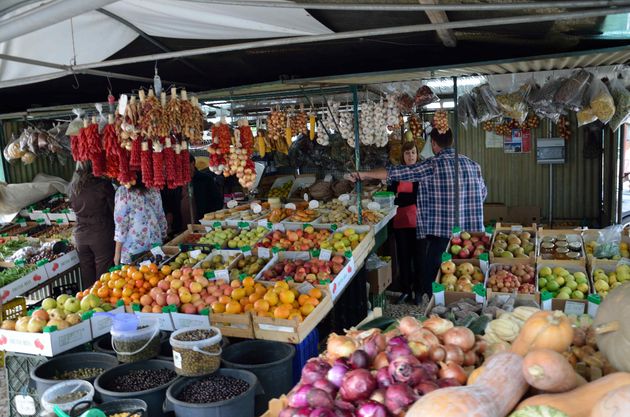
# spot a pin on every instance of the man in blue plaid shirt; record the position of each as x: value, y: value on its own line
x: 436, y: 200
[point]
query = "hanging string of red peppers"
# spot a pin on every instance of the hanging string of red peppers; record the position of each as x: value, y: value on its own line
x: 147, y: 138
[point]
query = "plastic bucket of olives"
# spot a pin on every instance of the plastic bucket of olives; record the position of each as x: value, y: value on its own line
x: 135, y: 341
x: 67, y: 394
x: 196, y: 350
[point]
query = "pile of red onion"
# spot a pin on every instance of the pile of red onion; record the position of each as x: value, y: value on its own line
x: 371, y: 374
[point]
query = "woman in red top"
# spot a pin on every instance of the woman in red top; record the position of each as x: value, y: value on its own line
x: 405, y: 227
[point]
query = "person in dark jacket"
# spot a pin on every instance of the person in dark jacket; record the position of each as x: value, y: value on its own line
x: 92, y: 199
x: 207, y: 196
x: 172, y: 204
x: 405, y: 227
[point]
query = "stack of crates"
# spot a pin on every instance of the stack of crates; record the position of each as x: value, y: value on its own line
x: 307, y: 349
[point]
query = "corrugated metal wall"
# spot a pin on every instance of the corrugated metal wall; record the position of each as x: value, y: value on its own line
x: 516, y: 179
x: 17, y: 172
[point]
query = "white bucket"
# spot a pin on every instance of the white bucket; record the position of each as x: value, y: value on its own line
x: 207, y: 361
x: 66, y: 387
x: 147, y: 339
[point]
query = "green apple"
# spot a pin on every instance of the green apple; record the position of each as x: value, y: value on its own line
x: 545, y: 272
x: 62, y: 299
x: 577, y: 295
x: 542, y: 282
x: 560, y: 281
x: 583, y: 288
x: 566, y: 289
x: 563, y: 295
x: 571, y: 285
x: 72, y: 305
x: 49, y: 304
x: 581, y: 279
x: 552, y: 286
x: 580, y: 276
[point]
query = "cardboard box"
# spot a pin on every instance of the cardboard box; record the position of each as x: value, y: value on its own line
x: 531, y: 259
x: 523, y: 214
x: 24, y: 284
x: 521, y: 297
x: 380, y: 278
x: 496, y: 212
x: 62, y: 264
x: 181, y: 320
x: 46, y: 344
x: 166, y: 323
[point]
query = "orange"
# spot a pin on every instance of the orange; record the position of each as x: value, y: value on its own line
x: 313, y: 301
x: 120, y: 283
x: 111, y: 284
x: 135, y: 296
x: 166, y: 270
x: 124, y: 268
x: 295, y: 304
x: 154, y: 281
x: 282, y: 312
x: 303, y: 299
x: 131, y: 270
x: 144, y: 269
x: 307, y: 309
x: 264, y: 314
x: 238, y: 293
x: 126, y: 292
x: 261, y: 305
x: 244, y: 301
x: 103, y: 292
x: 153, y: 268
x: 235, y: 283
x: 295, y: 316
x: 104, y: 277
x: 281, y: 284
x: 126, y: 300
x: 146, y: 285
x: 113, y: 300
x: 248, y: 282
x: 315, y: 293
x: 254, y: 297
x: 272, y: 298
x: 117, y: 292
x: 287, y: 297
x: 225, y: 299
x: 249, y: 290
x: 260, y: 289
x: 233, y: 307
x: 218, y: 307
x: 137, y: 275
x: 295, y: 292
x: 248, y: 307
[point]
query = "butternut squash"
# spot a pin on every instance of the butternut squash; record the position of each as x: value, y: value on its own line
x: 544, y: 330
x: 580, y: 401
x: 549, y: 371
x: 494, y: 394
x: 474, y: 375
x: 614, y: 404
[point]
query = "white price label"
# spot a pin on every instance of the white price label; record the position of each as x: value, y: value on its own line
x: 290, y: 206
x: 517, y: 228
x: 145, y: 263
x: 209, y: 229
x: 194, y: 253
x: 304, y: 287
x: 263, y: 253
x: 25, y: 405
x: 325, y: 254
x: 278, y: 226
x: 177, y: 360
x: 22, y: 224
x: 344, y: 198
x: 255, y: 208
x: 328, y: 178
x: 232, y: 203
x: 313, y: 204
x: 572, y: 307
x: 262, y: 222
x: 222, y: 274
x: 157, y: 251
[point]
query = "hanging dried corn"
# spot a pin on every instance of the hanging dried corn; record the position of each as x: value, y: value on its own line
x: 311, y: 125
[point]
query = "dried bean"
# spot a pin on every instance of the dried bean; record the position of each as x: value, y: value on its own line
x: 81, y: 373
x: 69, y: 397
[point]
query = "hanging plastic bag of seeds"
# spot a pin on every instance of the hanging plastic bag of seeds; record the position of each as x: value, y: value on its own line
x: 542, y: 100
x: 514, y: 104
x: 598, y: 104
x: 486, y: 106
x: 621, y: 97
x: 76, y: 124
x: 572, y: 90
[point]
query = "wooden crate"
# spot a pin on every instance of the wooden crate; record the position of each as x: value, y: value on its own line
x: 556, y: 303
x: 520, y: 297
x: 449, y: 297
x: 192, y: 229
x: 233, y: 325
x: 572, y: 234
x: 292, y: 331
x: 457, y: 262
x: 501, y: 228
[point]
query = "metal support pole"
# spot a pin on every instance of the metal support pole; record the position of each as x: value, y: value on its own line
x: 455, y: 132
x: 357, y: 150
x: 551, y: 196
x: 621, y: 137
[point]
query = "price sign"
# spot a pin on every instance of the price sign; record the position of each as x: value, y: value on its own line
x: 157, y: 251
x: 194, y: 253
x: 325, y: 254
x: 278, y: 226
x: 264, y: 253
x: 572, y: 307
x: 222, y: 274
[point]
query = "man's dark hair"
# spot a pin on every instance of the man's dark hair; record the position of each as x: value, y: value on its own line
x: 443, y: 140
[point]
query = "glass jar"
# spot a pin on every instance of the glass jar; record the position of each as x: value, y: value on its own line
x: 573, y: 256
x: 561, y: 253
x: 547, y: 248
x: 562, y: 244
x: 548, y: 239
x: 575, y: 247
x: 561, y: 237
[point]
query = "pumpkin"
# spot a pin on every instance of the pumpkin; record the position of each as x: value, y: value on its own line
x: 614, y: 404
x: 613, y: 335
x: 538, y: 411
x: 494, y: 393
x: 548, y: 370
x: 544, y: 330
x: 580, y: 401
x: 474, y: 375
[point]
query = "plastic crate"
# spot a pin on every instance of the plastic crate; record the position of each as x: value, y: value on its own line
x: 378, y: 300
x: 13, y: 309
x: 18, y: 379
x: 68, y: 282
x: 307, y: 349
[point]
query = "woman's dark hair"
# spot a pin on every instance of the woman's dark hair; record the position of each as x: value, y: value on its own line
x: 408, y: 145
x: 139, y: 185
x: 443, y: 140
x: 81, y: 177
